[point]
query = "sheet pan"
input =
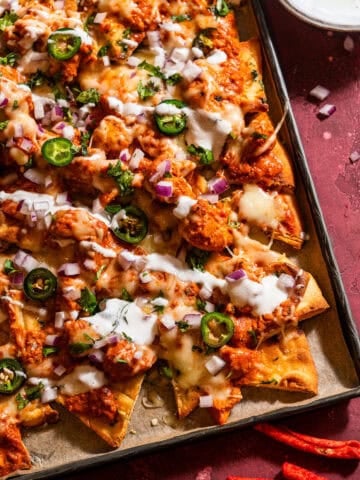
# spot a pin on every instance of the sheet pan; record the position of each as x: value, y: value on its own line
x: 70, y: 446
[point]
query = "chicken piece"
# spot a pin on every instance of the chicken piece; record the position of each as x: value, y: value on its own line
x: 140, y: 15
x: 207, y: 226
x: 13, y: 453
x: 126, y: 359
x: 112, y: 136
x: 100, y: 402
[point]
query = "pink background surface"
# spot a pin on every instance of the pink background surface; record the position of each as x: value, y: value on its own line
x: 308, y: 57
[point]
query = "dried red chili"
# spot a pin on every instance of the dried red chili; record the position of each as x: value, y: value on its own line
x: 344, y: 449
x: 294, y: 472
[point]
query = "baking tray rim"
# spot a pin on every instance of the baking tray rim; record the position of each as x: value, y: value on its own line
x: 346, y: 320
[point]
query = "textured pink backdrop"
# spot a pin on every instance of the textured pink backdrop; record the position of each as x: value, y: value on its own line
x: 308, y: 57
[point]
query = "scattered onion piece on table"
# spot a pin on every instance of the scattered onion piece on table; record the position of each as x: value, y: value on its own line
x: 326, y: 110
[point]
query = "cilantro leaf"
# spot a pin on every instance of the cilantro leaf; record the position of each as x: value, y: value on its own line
x: 4, y: 124
x: 90, y: 95
x: 88, y: 301
x: 113, y: 209
x: 173, y: 79
x: 123, y: 178
x: 196, y: 259
x: 206, y: 157
x: 47, y: 351
x: 221, y: 8
x: 84, y: 141
x: 147, y: 91
x: 125, y: 295
x: 7, y: 20
x: 103, y: 51
x: 79, y: 347
x: 9, y: 267
x: 37, y: 79
x: 155, y: 71
x: 21, y: 401
x: 180, y: 18
x: 9, y: 59
x: 182, y: 326
x: 89, y: 22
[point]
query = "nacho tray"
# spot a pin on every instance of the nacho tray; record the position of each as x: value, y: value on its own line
x: 334, y: 341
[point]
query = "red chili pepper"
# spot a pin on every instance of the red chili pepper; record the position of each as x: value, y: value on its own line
x: 345, y: 449
x: 293, y: 472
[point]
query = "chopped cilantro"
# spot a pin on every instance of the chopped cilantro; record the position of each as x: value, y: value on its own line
x: 200, y: 305
x: 125, y: 295
x: 166, y: 371
x: 147, y: 91
x: 88, y: 301
x: 15, y: 104
x: 84, y: 141
x: 182, y: 326
x: 206, y: 157
x: 7, y: 20
x: 173, y: 79
x: 9, y: 267
x: 88, y: 96
x: 254, y: 337
x: 103, y: 51
x: 32, y: 393
x: 180, y: 18
x: 269, y: 382
x: 155, y: 71
x: 113, y: 209
x: 259, y: 136
x: 9, y: 59
x: 21, y: 401
x: 4, y: 124
x: 37, y: 79
x: 99, y: 272
x: 197, y: 258
x: 126, y: 33
x: 123, y: 178
x: 221, y: 8
x: 196, y: 348
x: 122, y: 360
x: 129, y: 339
x: 79, y: 347
x: 89, y: 21
x: 47, y: 351
x: 254, y: 74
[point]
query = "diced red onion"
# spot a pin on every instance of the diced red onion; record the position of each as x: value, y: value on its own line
x: 113, y: 339
x: 145, y: 277
x: 133, y: 61
x: 286, y: 281
x: 168, y: 321
x: 125, y: 155
x: 106, y: 60
x: 49, y: 394
x: 47, y: 221
x: 354, y: 156
x: 35, y: 176
x: 89, y: 264
x: 102, y: 342
x: 18, y: 130
x: 236, y: 275
x: 26, y: 145
x: 48, y: 181
x: 3, y: 100
x: 161, y: 169
x: 56, y: 113
x: 209, y: 307
x: 141, y: 119
x: 17, y: 279
x: 153, y: 38
x: 59, y: 370
x: 59, y: 127
x: 62, y: 199
x: 73, y: 314
x: 211, y: 197
x: 206, y: 401
x: 205, y: 292
x: 215, y: 364
x: 41, y: 205
x: 138, y: 354
x: 97, y: 356
x: 319, y: 92
x: 100, y: 17
x: 70, y: 269
x: 218, y: 185
x: 39, y: 111
x: 126, y: 259
x: 217, y: 57
x: 349, y: 44
x: 180, y: 54
x: 25, y: 261
x: 52, y: 340
x: 136, y: 158
x: 71, y: 293
x: 59, y: 320
x: 164, y: 189
x: 97, y: 206
x: 193, y: 319
x: 327, y: 110
x: 40, y: 128
x: 191, y: 71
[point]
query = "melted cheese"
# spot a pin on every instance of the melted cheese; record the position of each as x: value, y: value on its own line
x: 257, y: 206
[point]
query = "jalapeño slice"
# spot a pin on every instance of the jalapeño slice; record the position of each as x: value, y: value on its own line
x: 131, y: 225
x: 12, y: 375
x: 216, y: 329
x: 171, y: 123
x: 63, y: 44
x: 40, y: 284
x: 58, y: 151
